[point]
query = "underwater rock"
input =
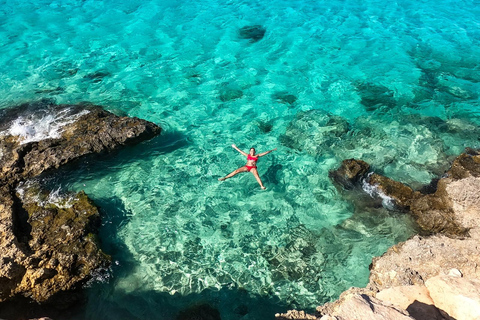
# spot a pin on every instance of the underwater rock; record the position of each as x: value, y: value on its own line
x: 230, y: 94
x: 350, y: 172
x: 315, y: 131
x: 374, y: 96
x: 46, y: 246
x: 91, y: 130
x: 254, y: 33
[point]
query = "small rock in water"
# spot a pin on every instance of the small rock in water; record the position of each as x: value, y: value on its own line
x: 254, y: 33
x: 230, y: 94
x: 284, y: 97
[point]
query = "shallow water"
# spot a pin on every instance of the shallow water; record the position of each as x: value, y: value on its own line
x: 395, y: 84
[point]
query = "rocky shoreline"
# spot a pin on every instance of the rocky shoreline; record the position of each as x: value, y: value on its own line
x: 434, y: 275
x: 48, y: 241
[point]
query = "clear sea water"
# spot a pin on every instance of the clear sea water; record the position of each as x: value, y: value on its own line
x: 395, y: 83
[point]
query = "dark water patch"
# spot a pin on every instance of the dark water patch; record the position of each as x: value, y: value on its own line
x: 254, y: 33
x: 52, y: 91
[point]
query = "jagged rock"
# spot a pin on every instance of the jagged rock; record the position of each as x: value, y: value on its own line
x: 420, y: 258
x: 93, y: 132
x: 456, y: 296
x: 349, y: 173
x: 47, y: 247
x: 314, y: 131
x: 254, y: 33
x: 455, y: 199
x: 295, y: 315
x: 352, y: 305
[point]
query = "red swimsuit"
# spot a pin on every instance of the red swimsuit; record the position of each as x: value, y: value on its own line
x: 249, y: 157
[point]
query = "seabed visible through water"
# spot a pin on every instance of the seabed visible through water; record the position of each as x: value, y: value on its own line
x: 393, y: 83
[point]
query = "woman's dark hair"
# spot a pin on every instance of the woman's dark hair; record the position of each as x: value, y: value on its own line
x: 252, y: 148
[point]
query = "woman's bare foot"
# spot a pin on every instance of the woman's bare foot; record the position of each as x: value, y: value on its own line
x: 263, y: 188
x: 221, y: 179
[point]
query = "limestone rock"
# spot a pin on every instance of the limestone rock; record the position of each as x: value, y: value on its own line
x: 420, y: 258
x: 361, y: 306
x: 415, y: 299
x: 295, y: 315
x: 458, y: 297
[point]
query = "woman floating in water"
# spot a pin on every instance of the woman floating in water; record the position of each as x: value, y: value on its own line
x: 251, y: 165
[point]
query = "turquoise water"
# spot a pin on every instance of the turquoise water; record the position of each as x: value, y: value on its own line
x: 393, y: 83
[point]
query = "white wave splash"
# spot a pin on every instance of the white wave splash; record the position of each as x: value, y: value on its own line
x: 30, y: 192
x: 374, y: 192
x: 42, y: 125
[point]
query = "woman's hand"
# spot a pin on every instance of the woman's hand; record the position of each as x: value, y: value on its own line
x: 234, y: 146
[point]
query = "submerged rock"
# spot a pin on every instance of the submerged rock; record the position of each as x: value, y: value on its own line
x: 254, y: 33
x: 315, y: 131
x: 230, y: 94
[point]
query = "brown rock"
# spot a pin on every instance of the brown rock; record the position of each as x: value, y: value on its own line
x: 93, y: 132
x: 349, y: 173
x: 47, y: 248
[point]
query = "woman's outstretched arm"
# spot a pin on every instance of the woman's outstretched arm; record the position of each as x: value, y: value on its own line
x: 236, y: 148
x: 266, y: 152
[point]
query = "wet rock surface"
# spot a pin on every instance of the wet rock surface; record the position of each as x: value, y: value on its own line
x: 47, y: 247
x: 48, y: 242
x: 93, y: 132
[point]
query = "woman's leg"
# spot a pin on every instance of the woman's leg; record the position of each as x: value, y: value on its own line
x: 241, y: 169
x: 255, y: 174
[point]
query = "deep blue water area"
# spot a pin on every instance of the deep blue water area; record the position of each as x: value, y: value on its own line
x: 395, y: 83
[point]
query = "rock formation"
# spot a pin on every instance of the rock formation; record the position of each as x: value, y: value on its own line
x: 433, y: 276
x: 48, y: 242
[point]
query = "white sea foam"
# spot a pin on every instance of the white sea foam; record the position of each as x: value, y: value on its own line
x: 374, y: 192
x: 55, y: 197
x: 41, y: 125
